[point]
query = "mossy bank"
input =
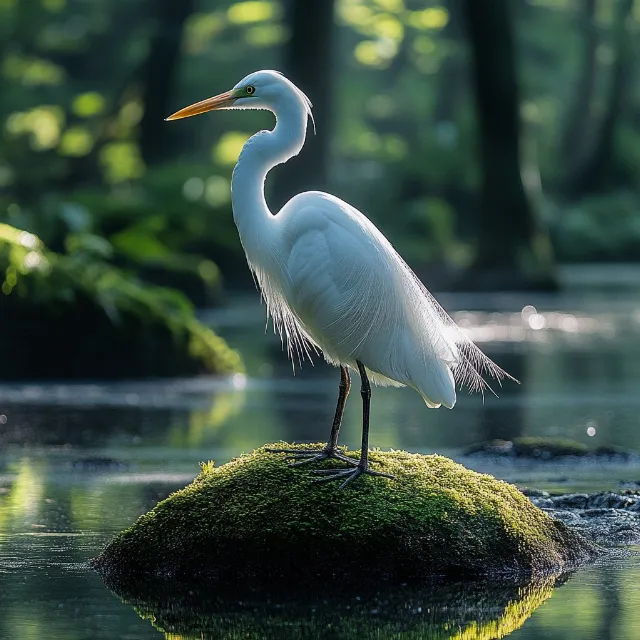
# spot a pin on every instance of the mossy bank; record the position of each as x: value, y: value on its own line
x: 256, y: 521
x: 78, y: 315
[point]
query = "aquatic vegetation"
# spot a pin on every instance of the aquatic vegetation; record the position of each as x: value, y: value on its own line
x: 100, y: 319
x: 256, y: 521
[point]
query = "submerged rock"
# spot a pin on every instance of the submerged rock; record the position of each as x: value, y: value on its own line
x: 99, y: 464
x: 605, y: 518
x: 589, y: 501
x: 543, y: 448
x: 534, y: 493
x: 258, y: 522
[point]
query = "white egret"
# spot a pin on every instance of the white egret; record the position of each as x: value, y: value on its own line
x: 332, y: 281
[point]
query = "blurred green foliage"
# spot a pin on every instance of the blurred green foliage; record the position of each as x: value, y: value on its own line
x: 50, y: 296
x: 603, y: 228
x: 74, y: 77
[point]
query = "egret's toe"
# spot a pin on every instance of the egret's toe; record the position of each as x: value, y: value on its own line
x: 349, y: 475
x: 299, y: 457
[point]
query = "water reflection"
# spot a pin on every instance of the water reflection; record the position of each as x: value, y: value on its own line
x: 460, y: 611
x: 508, y: 422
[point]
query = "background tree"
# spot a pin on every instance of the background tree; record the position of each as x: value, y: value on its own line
x: 579, y: 112
x: 595, y: 171
x: 511, y: 252
x: 158, y: 75
x: 307, y: 61
x: 453, y: 76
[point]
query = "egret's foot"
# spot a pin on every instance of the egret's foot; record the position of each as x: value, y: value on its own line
x: 348, y: 475
x: 299, y: 457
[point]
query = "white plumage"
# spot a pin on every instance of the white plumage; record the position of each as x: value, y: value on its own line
x: 329, y: 278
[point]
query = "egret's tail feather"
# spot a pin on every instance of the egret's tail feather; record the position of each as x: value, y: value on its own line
x: 436, y: 384
x: 467, y: 364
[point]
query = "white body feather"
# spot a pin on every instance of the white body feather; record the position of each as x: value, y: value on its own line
x: 330, y: 279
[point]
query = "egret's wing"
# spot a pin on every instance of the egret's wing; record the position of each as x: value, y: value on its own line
x: 337, y: 283
x: 372, y: 287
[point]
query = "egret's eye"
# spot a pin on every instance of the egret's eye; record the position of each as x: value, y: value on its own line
x: 250, y: 90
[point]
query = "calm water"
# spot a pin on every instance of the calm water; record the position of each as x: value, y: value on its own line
x: 80, y: 462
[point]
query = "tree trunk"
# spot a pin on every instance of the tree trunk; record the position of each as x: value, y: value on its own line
x: 512, y: 252
x: 578, y: 116
x: 451, y: 76
x: 594, y: 173
x: 158, y: 75
x: 307, y: 63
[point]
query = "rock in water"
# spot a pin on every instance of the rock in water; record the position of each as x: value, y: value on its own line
x: 258, y: 522
x: 543, y: 448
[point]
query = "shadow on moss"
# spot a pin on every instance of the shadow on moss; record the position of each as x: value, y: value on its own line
x: 78, y: 315
x: 257, y: 522
x: 438, y: 610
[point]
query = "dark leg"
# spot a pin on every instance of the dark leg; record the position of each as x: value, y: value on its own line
x: 305, y: 456
x: 365, y: 392
x: 345, y: 387
x: 349, y: 475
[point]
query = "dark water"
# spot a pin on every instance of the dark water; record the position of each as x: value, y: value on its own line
x: 80, y: 462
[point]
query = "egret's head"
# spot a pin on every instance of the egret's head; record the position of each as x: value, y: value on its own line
x: 259, y: 90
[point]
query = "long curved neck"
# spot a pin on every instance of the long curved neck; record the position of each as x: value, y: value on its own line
x: 260, y: 154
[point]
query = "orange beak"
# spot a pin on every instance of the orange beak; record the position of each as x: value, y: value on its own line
x: 222, y: 101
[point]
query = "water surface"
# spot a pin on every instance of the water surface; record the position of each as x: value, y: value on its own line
x: 79, y: 462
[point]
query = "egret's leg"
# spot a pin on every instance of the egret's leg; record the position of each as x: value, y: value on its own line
x: 305, y: 456
x: 349, y: 475
x: 344, y: 388
x: 365, y: 392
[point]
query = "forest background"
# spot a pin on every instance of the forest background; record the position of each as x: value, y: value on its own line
x: 492, y: 141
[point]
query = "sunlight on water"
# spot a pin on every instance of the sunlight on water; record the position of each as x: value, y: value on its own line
x: 532, y: 326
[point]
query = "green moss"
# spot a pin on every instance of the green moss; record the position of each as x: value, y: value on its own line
x: 443, y: 610
x: 258, y: 521
x: 101, y: 320
x: 543, y: 448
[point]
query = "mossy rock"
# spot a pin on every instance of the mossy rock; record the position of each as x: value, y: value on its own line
x: 258, y: 522
x: 545, y: 448
x: 489, y: 611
